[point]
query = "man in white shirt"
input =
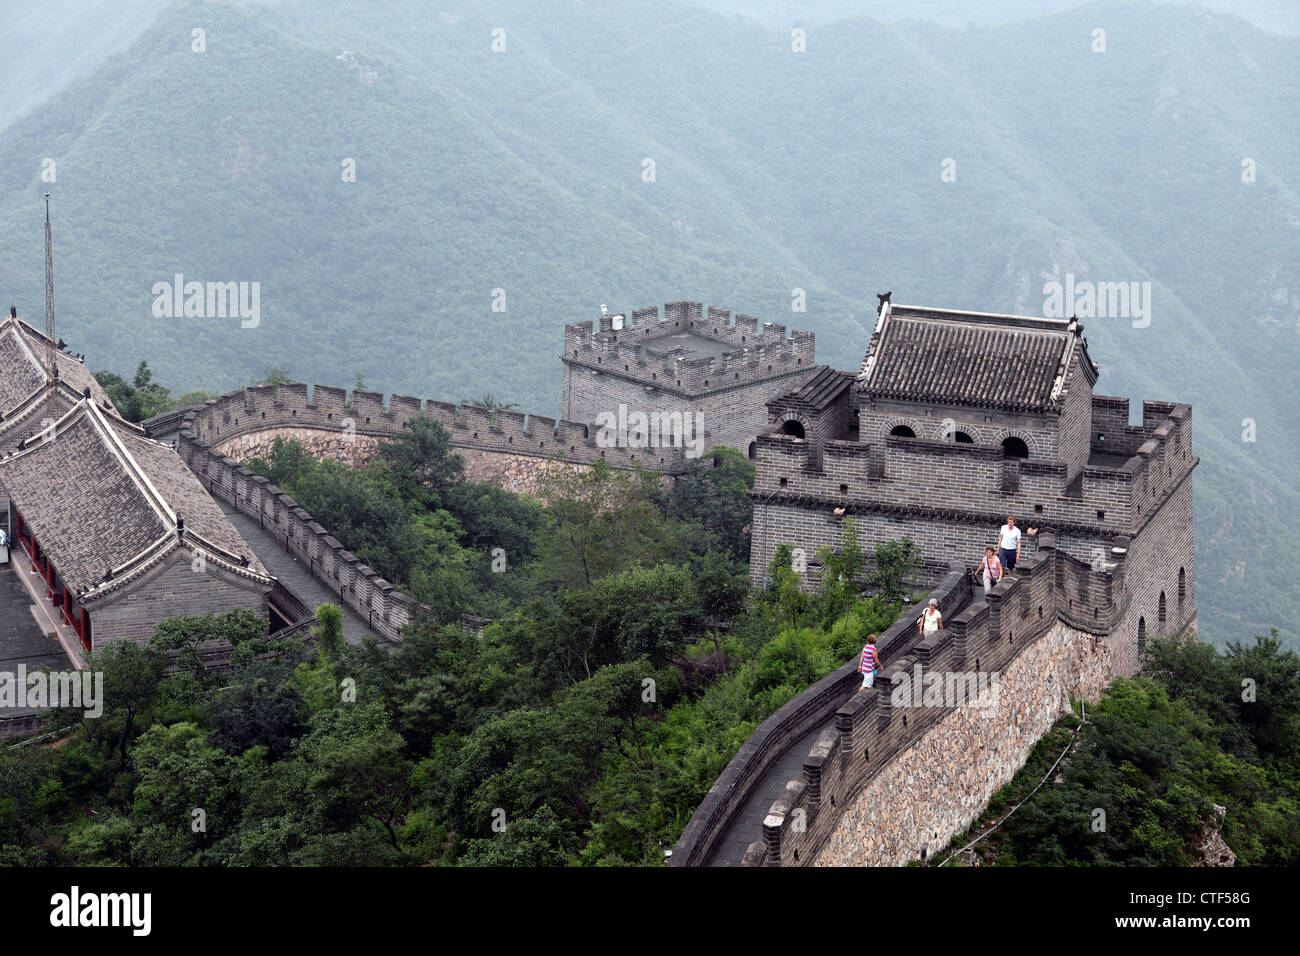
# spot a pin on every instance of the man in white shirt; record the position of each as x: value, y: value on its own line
x: 1009, y: 544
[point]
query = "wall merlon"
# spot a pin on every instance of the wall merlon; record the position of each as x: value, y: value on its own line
x: 365, y: 405
x: 404, y: 407
x: 330, y: 401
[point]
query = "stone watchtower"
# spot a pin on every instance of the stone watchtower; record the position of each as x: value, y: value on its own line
x: 683, y: 362
x: 957, y: 419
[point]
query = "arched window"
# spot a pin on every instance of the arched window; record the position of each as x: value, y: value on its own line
x: 1162, y: 612
x: 902, y: 431
x: 1013, y: 447
x: 753, y: 449
x: 1182, y: 587
x: 792, y: 427
x: 961, y: 438
x: 1142, y: 636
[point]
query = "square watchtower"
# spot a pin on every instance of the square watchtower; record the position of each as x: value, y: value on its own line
x: 683, y: 362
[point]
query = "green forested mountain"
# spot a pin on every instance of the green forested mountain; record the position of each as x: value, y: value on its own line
x: 774, y: 170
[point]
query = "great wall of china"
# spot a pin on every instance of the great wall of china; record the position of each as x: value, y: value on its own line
x: 838, y: 775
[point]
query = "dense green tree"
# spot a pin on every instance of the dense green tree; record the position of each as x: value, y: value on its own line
x: 896, y: 561
x: 132, y: 675
x: 601, y: 521
x: 713, y: 494
x: 256, y: 713
x: 422, y: 463
x: 142, y: 397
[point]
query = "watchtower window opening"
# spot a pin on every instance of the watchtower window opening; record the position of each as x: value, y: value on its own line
x: 1162, y: 610
x: 902, y: 431
x: 1142, y: 635
x: 793, y: 428
x: 961, y: 438
x: 1182, y: 586
x: 753, y: 450
x: 1014, y: 447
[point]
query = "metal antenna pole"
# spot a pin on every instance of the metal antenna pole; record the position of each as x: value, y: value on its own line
x: 52, y: 411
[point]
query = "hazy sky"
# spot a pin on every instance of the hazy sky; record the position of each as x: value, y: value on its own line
x: 1280, y: 16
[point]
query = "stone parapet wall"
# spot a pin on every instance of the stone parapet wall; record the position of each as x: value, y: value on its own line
x: 752, y: 356
x: 386, y: 609
x: 888, y: 761
x: 941, y: 783
x: 797, y: 717
x: 1077, y: 615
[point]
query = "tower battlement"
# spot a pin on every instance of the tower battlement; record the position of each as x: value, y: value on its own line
x: 686, y: 349
x: 688, y: 361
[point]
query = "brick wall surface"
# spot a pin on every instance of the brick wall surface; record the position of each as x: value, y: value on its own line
x: 174, y: 589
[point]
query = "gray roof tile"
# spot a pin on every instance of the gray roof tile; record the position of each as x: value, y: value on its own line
x: 98, y: 494
x: 970, y: 358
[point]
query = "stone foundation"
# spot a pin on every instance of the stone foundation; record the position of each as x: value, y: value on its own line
x: 522, y: 474
x: 351, y: 449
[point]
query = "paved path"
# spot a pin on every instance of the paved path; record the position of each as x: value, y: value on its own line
x: 21, y: 639
x: 293, y: 574
x: 747, y: 825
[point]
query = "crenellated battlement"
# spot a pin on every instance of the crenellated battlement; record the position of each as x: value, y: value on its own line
x: 687, y: 349
x: 1113, y: 495
x: 295, y: 405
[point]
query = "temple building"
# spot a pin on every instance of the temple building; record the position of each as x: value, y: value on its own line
x: 115, y: 525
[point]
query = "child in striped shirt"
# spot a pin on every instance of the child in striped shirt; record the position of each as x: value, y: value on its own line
x: 869, y: 664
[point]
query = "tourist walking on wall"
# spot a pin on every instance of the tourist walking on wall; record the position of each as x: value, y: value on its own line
x: 869, y: 663
x: 1009, y: 544
x: 931, y: 619
x: 990, y: 569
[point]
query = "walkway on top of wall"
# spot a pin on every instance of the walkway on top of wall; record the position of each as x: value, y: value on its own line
x: 21, y: 639
x: 747, y: 825
x: 291, y: 573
